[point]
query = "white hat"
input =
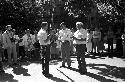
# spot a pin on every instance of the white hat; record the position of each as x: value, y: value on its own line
x: 79, y: 23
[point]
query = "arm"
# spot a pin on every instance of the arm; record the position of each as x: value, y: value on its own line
x: 48, y: 38
x: 79, y: 39
x: 4, y: 40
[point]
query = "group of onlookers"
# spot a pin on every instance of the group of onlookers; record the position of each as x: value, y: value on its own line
x: 58, y: 43
x: 13, y: 46
x: 96, y: 40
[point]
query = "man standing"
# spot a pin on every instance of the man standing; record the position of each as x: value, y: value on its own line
x: 44, y: 40
x: 9, y: 44
x: 65, y: 37
x: 80, y: 40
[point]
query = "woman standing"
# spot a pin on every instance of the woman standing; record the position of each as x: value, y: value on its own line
x: 89, y: 41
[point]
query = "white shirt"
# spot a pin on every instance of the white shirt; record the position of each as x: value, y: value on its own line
x: 34, y: 39
x: 17, y: 38
x: 42, y: 35
x: 82, y: 33
x: 65, y: 35
x: 25, y: 39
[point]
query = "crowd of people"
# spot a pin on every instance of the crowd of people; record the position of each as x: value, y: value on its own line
x: 61, y: 43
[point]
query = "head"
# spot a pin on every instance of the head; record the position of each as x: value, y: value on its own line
x: 14, y: 31
x: 96, y: 29
x: 35, y: 32
x: 44, y: 25
x: 63, y: 26
x: 28, y: 32
x: 9, y: 27
x: 79, y: 25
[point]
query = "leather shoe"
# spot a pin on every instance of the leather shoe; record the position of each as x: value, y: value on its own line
x: 48, y: 75
x: 83, y: 73
x: 62, y: 66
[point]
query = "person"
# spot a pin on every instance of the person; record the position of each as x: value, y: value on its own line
x: 16, y: 42
x: 28, y: 44
x: 80, y: 40
x: 53, y: 49
x: 123, y: 43
x: 21, y: 47
x: 101, y: 44
x: 44, y: 40
x: 89, y: 41
x: 65, y: 37
x: 36, y: 44
x: 96, y: 39
x: 110, y: 36
x: 9, y: 44
x: 1, y: 51
x: 119, y: 42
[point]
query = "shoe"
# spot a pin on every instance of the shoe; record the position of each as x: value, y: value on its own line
x: 62, y: 66
x: 83, y: 73
x: 69, y: 67
x: 43, y: 73
x: 48, y: 75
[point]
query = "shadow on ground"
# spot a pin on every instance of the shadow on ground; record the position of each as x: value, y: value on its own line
x: 5, y: 77
x: 95, y: 76
x: 56, y: 79
x: 109, y: 71
x: 18, y: 70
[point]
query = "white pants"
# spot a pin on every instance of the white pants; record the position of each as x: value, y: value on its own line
x: 89, y: 46
x: 12, y: 50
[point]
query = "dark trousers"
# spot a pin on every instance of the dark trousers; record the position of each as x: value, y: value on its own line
x: 81, y: 49
x: 119, y: 47
x: 66, y: 48
x: 110, y: 44
x: 46, y: 58
x: 21, y: 52
x: 119, y: 44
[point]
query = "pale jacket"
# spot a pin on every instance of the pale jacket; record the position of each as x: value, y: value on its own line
x: 80, y: 34
x: 65, y: 35
x: 17, y: 38
x: 6, y: 40
x: 25, y: 38
x: 42, y: 35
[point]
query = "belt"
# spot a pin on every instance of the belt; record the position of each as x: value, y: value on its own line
x: 66, y: 40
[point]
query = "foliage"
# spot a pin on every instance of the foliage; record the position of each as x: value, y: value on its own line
x: 22, y: 14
